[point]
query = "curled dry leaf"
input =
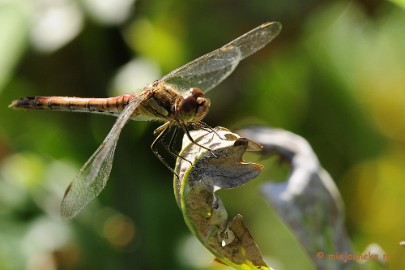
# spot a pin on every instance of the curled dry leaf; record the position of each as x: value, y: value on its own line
x: 221, y: 167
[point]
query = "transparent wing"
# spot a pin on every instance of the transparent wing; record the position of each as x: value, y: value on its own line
x: 212, y: 68
x: 93, y: 176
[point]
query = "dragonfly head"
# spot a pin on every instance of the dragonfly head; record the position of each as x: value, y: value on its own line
x: 193, y: 106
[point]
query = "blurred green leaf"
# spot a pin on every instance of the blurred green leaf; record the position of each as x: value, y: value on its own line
x: 156, y: 42
x: 13, y: 38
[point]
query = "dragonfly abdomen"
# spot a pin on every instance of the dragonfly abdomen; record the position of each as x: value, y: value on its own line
x: 112, y: 105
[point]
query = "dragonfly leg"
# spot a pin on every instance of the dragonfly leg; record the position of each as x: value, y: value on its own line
x: 204, y: 126
x: 192, y: 140
x: 171, y: 146
x: 160, y: 131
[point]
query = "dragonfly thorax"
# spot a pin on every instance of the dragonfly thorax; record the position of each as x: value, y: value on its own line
x: 193, y: 106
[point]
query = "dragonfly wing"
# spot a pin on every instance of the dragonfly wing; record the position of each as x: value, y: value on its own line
x: 93, y: 176
x: 206, y: 71
x: 209, y: 70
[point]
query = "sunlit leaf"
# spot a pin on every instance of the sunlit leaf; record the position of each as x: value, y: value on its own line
x: 400, y: 3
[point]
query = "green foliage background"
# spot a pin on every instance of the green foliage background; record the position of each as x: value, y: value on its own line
x: 335, y: 75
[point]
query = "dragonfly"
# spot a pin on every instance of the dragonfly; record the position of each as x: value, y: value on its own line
x: 177, y: 99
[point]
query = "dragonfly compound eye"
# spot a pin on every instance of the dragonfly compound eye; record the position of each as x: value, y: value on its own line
x: 193, y: 107
x: 196, y: 92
